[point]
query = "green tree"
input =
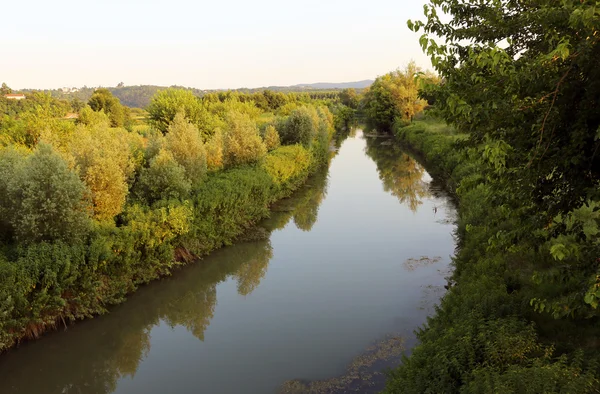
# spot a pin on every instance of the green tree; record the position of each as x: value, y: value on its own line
x: 5, y: 89
x: 103, y: 100
x: 89, y: 117
x: 349, y: 98
x: 300, y: 127
x: 164, y: 179
x: 48, y: 201
x: 165, y: 104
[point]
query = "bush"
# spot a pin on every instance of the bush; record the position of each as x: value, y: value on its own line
x: 48, y: 200
x: 104, y: 158
x: 214, y: 151
x: 167, y: 103
x: 271, y: 138
x: 288, y: 166
x: 226, y: 205
x: 164, y: 179
x: 242, y: 143
x: 300, y: 127
x: 184, y: 142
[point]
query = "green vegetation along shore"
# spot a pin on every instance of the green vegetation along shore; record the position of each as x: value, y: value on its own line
x: 90, y: 210
x: 485, y: 336
x: 513, y: 127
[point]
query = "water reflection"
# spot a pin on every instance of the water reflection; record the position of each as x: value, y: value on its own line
x: 91, y: 356
x: 401, y: 175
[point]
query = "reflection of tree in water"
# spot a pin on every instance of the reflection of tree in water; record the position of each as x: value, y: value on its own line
x: 307, y: 210
x: 194, y: 311
x: 302, y: 206
x: 401, y: 175
x: 251, y: 272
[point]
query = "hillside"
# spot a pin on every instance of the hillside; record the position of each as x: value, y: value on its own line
x: 139, y: 96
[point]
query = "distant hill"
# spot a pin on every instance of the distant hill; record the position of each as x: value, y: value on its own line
x: 139, y: 96
x: 333, y: 85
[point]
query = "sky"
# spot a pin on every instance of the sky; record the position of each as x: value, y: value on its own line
x: 220, y: 44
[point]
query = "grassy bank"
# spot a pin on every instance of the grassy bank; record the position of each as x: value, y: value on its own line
x: 488, y: 334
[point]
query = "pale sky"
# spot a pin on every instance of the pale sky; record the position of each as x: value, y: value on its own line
x: 206, y: 45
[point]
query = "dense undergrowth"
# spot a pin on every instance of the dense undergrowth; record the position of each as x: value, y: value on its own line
x: 90, y: 211
x: 485, y: 335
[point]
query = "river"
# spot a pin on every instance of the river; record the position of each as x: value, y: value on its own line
x: 353, y: 264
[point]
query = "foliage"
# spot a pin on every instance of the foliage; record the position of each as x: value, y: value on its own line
x: 164, y: 179
x: 242, y: 142
x: 300, y: 127
x: 91, y: 118
x: 185, y: 143
x: 88, y: 212
x: 167, y: 103
x: 483, y: 336
x: 103, y: 100
x: 214, y: 151
x: 105, y: 159
x: 46, y: 199
x: 271, y: 138
x: 393, y: 97
x: 288, y: 166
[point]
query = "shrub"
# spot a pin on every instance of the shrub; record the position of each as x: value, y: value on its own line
x: 242, y: 143
x: 214, y: 151
x: 271, y: 138
x: 104, y: 159
x: 164, y: 179
x: 299, y: 128
x: 48, y: 199
x: 184, y: 142
x: 288, y: 166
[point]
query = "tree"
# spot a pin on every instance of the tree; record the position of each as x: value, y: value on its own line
x: 91, y: 118
x: 349, y: 98
x: 165, y: 104
x: 300, y: 127
x: 48, y: 200
x: 242, y: 142
x: 271, y: 138
x: 214, y: 151
x: 185, y: 143
x: 5, y: 89
x: 103, y: 157
x: 103, y: 100
x: 394, y: 97
x: 164, y: 179
x: 522, y: 79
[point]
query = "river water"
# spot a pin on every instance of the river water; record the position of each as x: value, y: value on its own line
x: 354, y: 263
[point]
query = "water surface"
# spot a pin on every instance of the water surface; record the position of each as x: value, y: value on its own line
x: 357, y: 256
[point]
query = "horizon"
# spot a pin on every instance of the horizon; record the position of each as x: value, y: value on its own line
x: 206, y: 45
x: 194, y: 87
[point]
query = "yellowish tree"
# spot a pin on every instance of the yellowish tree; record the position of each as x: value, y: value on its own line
x: 242, y: 142
x: 271, y: 138
x: 185, y: 143
x: 214, y: 151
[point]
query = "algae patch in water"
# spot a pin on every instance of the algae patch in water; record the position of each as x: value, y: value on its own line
x: 359, y: 375
x: 412, y: 263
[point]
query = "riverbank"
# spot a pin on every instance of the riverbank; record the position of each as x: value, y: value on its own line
x: 46, y: 285
x: 486, y: 336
